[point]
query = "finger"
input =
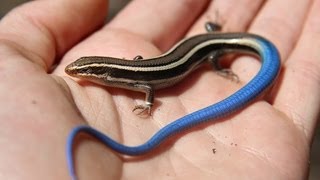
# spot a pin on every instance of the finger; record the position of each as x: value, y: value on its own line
x: 162, y: 23
x: 278, y: 23
x: 299, y: 96
x: 46, y: 29
x: 232, y: 15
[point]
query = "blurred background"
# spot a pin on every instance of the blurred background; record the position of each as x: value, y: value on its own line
x: 115, y: 6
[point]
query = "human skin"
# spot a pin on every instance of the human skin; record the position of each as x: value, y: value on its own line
x: 269, y: 139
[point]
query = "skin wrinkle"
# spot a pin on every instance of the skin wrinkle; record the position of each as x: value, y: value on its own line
x: 170, y: 162
x: 309, y: 72
x: 49, y: 36
x: 90, y: 107
x: 98, y: 119
x: 18, y: 50
x: 185, y: 157
x: 115, y: 102
x: 309, y: 76
x: 97, y: 114
x: 184, y: 107
x: 267, y: 159
x: 62, y: 82
x: 119, y: 135
x: 35, y: 23
x: 159, y: 122
x: 262, y: 156
x: 74, y: 89
x: 160, y: 113
x: 297, y: 120
x: 217, y: 139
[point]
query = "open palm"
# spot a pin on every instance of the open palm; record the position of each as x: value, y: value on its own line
x: 269, y: 139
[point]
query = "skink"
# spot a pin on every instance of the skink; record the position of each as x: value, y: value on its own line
x: 168, y: 69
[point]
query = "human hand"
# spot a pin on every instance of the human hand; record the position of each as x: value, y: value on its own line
x: 269, y: 139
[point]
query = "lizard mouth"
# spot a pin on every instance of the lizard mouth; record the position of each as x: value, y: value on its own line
x: 70, y: 69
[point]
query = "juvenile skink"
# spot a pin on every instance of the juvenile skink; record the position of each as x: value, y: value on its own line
x: 168, y: 69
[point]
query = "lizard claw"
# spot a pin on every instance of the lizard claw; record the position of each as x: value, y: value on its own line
x: 143, y: 108
x: 227, y: 73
